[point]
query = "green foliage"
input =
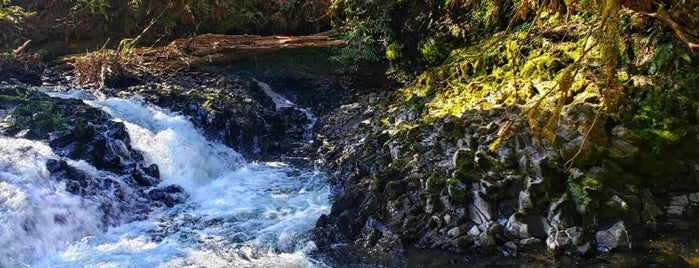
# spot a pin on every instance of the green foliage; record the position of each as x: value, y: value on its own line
x: 11, y: 13
x: 361, y: 43
x: 88, y: 24
x: 661, y: 58
x: 37, y: 115
x: 662, y: 117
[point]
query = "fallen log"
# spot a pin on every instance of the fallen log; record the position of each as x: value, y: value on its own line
x: 209, y: 49
x: 212, y: 49
x: 182, y: 54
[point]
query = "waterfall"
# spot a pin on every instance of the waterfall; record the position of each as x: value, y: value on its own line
x: 280, y: 103
x: 37, y: 215
x: 238, y: 214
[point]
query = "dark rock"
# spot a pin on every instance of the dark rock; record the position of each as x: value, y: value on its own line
x: 322, y: 221
x: 143, y: 176
x: 525, y: 226
x: 531, y: 245
x: 351, y: 198
x: 170, y: 195
x: 349, y: 224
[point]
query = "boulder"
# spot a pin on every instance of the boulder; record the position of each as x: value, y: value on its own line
x: 614, y: 237
x: 525, y: 226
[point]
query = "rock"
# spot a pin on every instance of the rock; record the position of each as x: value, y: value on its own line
x: 485, y: 241
x: 457, y: 231
x: 463, y: 159
x: 458, y: 192
x: 531, y: 245
x: 680, y: 200
x: 170, y: 196
x: 474, y: 231
x: 584, y: 249
x: 525, y: 226
x: 626, y: 134
x: 143, y: 177
x: 575, y: 234
x: 351, y: 198
x: 557, y: 240
x: 322, y: 221
x: 678, y: 205
x: 509, y: 249
x: 614, y: 237
x: 694, y: 198
x: 524, y: 201
x: 394, y: 189
x: 152, y: 171
x: 349, y: 224
x: 675, y: 211
x: 480, y: 211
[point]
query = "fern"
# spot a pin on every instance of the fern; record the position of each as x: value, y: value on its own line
x: 661, y: 58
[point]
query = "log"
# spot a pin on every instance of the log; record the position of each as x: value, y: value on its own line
x: 208, y: 49
x: 216, y: 49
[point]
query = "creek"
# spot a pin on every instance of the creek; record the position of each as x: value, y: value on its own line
x: 236, y: 214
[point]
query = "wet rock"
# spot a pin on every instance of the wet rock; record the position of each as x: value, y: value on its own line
x: 349, y: 224
x: 485, y: 241
x: 557, y: 240
x: 678, y: 205
x: 614, y: 237
x: 394, y: 189
x: 170, y: 195
x: 351, y: 198
x: 146, y: 176
x: 531, y: 245
x: 322, y: 221
x: 525, y: 226
x: 481, y: 211
x: 576, y: 235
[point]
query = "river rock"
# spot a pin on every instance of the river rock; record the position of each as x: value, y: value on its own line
x: 531, y: 245
x: 525, y: 226
x: 614, y: 237
x: 481, y: 211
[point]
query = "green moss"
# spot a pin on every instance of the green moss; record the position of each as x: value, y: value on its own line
x: 393, y: 51
x: 458, y: 192
x: 592, y: 183
x: 436, y: 182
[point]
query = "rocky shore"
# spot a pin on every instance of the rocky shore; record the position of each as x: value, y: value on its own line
x: 405, y: 181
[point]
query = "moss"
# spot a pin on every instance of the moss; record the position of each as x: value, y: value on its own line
x: 458, y: 192
x: 41, y: 116
x: 436, y: 182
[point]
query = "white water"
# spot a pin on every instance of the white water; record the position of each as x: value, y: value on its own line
x: 238, y: 215
x: 37, y: 215
x: 280, y: 102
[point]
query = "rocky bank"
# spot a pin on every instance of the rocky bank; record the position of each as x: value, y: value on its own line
x: 404, y: 180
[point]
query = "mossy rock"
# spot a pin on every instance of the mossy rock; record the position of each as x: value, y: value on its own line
x: 458, y: 192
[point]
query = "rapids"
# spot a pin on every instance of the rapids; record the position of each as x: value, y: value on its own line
x: 238, y: 214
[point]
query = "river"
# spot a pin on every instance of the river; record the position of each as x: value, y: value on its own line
x: 238, y: 213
